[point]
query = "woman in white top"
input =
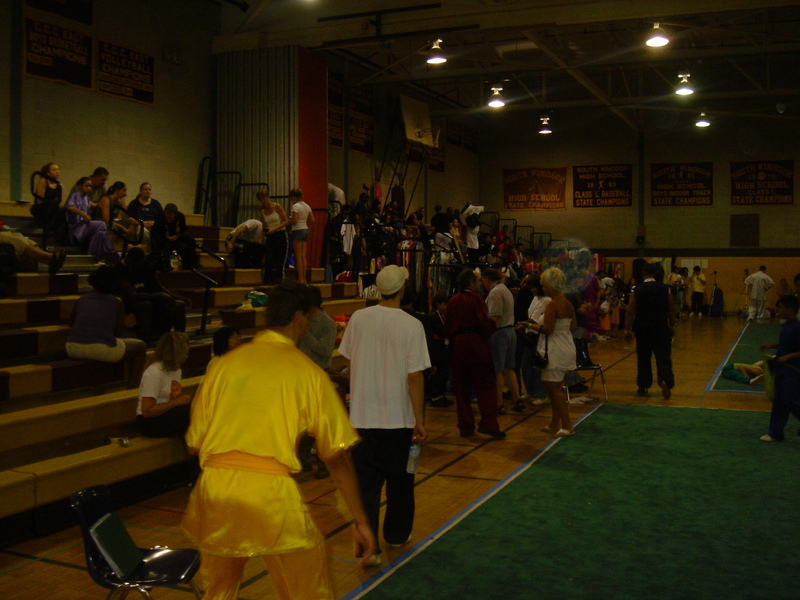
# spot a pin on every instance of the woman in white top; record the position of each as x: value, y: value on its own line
x: 276, y: 243
x: 163, y: 409
x: 557, y: 326
x: 302, y: 217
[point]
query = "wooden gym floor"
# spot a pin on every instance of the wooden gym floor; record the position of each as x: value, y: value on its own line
x: 454, y: 472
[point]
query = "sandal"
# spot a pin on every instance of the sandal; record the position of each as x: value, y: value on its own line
x: 547, y: 429
x: 565, y: 433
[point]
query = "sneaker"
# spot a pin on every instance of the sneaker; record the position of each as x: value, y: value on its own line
x: 373, y: 561
x: 400, y: 544
x: 665, y: 391
x: 642, y: 392
x: 519, y: 406
x: 768, y: 438
x: 541, y: 401
x: 691, y: 314
x: 495, y: 434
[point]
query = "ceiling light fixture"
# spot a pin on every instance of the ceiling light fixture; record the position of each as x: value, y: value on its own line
x: 702, y: 121
x: 435, y: 54
x: 496, y: 101
x: 684, y: 89
x: 545, y: 128
x: 657, y: 37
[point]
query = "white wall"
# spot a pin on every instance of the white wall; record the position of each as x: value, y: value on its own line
x: 82, y: 129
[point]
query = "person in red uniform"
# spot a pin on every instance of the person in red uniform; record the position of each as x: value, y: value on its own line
x: 468, y: 327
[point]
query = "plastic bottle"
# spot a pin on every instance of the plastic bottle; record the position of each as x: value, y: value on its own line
x: 413, y: 458
x: 175, y: 261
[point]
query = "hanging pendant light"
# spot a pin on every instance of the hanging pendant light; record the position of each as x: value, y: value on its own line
x: 496, y: 100
x: 684, y: 88
x: 545, y: 128
x: 657, y: 37
x: 435, y: 54
x: 702, y: 121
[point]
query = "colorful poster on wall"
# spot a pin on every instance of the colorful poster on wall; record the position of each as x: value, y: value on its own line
x: 76, y: 10
x: 762, y: 182
x: 125, y: 73
x: 537, y: 188
x: 602, y: 186
x: 58, y: 54
x: 681, y: 184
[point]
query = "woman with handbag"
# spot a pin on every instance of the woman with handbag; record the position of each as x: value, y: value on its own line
x: 557, y: 347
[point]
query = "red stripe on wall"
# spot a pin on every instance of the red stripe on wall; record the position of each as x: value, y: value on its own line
x: 313, y: 137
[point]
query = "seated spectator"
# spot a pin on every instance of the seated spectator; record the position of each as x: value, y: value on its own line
x: 82, y: 229
x: 47, y: 210
x: 157, y: 310
x: 98, y: 321
x: 246, y: 244
x: 112, y: 210
x: 144, y: 208
x: 163, y: 408
x: 26, y: 247
x: 169, y: 235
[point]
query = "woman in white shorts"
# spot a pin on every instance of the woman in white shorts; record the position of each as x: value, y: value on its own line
x: 557, y: 326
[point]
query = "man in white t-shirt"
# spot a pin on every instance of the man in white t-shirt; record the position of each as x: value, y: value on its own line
x: 388, y: 352
x: 758, y: 283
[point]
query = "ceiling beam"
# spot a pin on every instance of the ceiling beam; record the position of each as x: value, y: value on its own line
x: 582, y: 79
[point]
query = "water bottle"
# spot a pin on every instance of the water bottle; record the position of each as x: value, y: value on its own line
x: 175, y: 261
x: 413, y: 458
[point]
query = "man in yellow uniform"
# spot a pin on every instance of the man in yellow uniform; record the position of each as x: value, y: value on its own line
x: 253, y: 405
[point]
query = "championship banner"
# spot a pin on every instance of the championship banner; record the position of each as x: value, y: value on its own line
x: 601, y: 186
x: 762, y: 183
x: 436, y: 159
x: 335, y: 128
x: 58, y: 54
x: 125, y: 73
x: 335, y: 89
x: 681, y: 184
x: 362, y: 135
x: 537, y: 188
x: 76, y: 10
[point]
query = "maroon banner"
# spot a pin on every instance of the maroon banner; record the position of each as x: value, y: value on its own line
x: 762, y: 183
x: 602, y: 186
x: 682, y: 184
x: 335, y: 128
x: 536, y: 188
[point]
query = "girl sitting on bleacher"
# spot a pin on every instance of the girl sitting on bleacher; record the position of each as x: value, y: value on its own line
x: 163, y: 409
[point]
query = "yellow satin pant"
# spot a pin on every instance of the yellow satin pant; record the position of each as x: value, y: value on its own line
x: 301, y: 575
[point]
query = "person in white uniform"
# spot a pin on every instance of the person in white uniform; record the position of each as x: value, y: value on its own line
x: 758, y: 283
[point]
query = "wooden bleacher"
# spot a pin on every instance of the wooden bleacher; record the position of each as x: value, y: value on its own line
x: 54, y: 424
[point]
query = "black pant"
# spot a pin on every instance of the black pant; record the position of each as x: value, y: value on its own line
x: 172, y: 423
x: 248, y: 255
x: 697, y: 302
x: 661, y: 346
x: 277, y: 247
x: 382, y: 457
